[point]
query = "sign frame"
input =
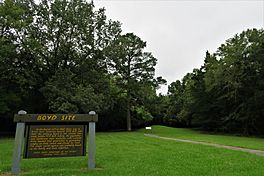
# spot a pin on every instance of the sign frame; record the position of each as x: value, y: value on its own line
x: 24, y: 121
x: 49, y: 118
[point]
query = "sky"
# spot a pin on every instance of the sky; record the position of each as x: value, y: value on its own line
x: 179, y: 32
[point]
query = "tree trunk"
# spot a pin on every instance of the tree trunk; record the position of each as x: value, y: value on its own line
x: 128, y: 97
x: 128, y: 110
x: 128, y: 116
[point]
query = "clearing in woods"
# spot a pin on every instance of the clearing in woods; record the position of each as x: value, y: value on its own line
x: 132, y: 153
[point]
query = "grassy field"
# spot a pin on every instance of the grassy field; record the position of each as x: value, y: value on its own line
x: 134, y: 154
x: 183, y: 133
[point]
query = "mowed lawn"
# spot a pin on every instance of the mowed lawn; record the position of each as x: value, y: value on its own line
x: 125, y: 154
x: 184, y: 133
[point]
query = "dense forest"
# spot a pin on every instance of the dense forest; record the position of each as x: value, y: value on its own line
x: 227, y: 92
x: 60, y: 56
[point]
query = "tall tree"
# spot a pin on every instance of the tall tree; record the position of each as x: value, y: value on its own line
x: 15, y: 77
x: 70, y: 36
x: 130, y: 65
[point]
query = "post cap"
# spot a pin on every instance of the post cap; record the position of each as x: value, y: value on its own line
x: 22, y: 112
x: 92, y: 113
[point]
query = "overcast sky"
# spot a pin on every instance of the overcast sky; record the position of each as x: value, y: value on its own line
x: 178, y: 33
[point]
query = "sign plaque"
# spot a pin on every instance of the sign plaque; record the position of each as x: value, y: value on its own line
x: 55, y: 141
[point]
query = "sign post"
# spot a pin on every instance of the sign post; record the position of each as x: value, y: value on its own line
x: 19, y: 138
x: 53, y: 135
x: 91, y: 144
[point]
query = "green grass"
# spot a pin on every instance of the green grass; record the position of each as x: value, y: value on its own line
x: 134, y: 154
x: 183, y: 133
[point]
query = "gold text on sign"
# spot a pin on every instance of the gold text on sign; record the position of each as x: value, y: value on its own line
x: 68, y: 117
x: 56, y: 118
x: 46, y: 117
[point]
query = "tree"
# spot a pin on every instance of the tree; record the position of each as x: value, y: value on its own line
x: 130, y: 65
x: 69, y: 37
x: 15, y: 77
x: 241, y: 70
x: 65, y: 96
x: 175, y: 94
x: 226, y: 93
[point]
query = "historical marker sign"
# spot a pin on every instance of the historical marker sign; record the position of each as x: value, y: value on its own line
x: 55, y: 141
x: 54, y: 135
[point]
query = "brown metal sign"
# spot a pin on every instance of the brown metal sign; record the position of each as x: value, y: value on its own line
x: 55, y: 118
x: 55, y: 141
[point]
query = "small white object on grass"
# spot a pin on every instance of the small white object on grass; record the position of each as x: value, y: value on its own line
x: 148, y: 128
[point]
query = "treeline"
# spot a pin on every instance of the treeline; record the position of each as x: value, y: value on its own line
x: 60, y: 56
x: 227, y: 93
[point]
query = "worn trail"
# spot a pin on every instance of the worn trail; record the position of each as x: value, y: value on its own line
x: 257, y: 152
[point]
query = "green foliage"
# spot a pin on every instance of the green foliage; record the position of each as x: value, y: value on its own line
x: 226, y: 92
x: 66, y: 56
x: 14, y: 76
x: 142, y: 113
x: 133, y: 70
x: 64, y: 96
x: 63, y: 56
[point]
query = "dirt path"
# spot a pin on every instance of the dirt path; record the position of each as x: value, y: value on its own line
x: 257, y: 152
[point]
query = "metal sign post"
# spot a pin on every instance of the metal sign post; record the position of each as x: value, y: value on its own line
x: 19, y: 139
x: 91, y: 144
